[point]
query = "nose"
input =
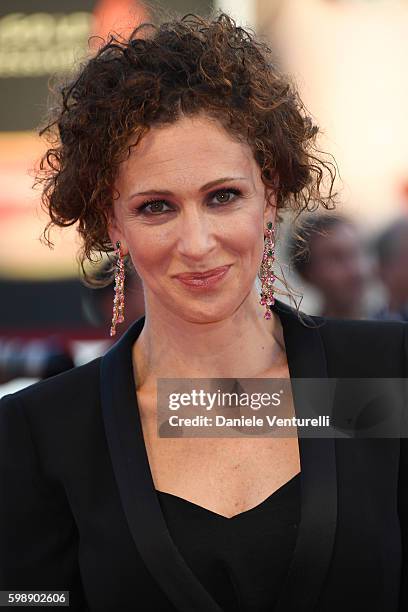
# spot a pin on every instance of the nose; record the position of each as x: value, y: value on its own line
x: 196, y: 236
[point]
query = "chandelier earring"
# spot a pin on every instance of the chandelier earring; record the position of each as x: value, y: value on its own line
x: 267, y: 275
x: 119, y: 299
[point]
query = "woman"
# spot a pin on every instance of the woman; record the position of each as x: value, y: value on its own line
x: 179, y: 149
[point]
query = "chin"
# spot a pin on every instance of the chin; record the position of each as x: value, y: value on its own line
x: 204, y: 313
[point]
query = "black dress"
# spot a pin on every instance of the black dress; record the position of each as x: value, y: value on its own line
x: 242, y: 561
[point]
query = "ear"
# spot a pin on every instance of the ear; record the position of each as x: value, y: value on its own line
x: 270, y: 207
x: 115, y: 233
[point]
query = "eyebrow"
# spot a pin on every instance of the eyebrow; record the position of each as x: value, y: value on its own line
x: 203, y: 188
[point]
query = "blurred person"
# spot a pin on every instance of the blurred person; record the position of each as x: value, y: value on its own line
x: 326, y: 252
x: 180, y: 149
x: 391, y: 250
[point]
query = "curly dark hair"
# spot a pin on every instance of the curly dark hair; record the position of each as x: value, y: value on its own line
x: 187, y: 65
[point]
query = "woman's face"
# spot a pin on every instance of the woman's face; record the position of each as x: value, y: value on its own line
x: 191, y: 200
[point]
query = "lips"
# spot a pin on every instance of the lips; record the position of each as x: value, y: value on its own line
x: 208, y: 273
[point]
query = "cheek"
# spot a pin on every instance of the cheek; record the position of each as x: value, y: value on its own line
x: 247, y: 239
x: 144, y: 251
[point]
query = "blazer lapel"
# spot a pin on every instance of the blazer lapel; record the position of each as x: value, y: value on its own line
x: 317, y: 528
x: 141, y: 506
x: 136, y: 486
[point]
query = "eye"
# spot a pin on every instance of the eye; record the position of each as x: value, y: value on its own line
x: 225, y: 193
x: 156, y: 206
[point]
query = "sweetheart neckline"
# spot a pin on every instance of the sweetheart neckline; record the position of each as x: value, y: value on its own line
x: 259, y: 506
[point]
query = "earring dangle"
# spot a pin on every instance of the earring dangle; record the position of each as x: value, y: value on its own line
x: 266, y: 273
x: 119, y: 299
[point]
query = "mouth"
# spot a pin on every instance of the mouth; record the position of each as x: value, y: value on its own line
x: 205, y: 279
x: 193, y: 275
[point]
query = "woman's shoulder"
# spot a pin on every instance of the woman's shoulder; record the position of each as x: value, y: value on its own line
x: 49, y: 430
x: 368, y: 346
x: 70, y: 390
x: 335, y: 328
x: 374, y: 329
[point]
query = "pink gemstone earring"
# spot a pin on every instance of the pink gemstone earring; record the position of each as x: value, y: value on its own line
x: 266, y: 273
x: 119, y: 299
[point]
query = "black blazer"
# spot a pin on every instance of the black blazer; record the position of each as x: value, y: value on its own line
x: 79, y: 511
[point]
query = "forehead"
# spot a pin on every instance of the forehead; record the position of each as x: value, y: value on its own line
x: 191, y: 151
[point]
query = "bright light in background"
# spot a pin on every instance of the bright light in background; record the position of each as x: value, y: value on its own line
x: 350, y: 61
x: 244, y: 11
x: 119, y: 16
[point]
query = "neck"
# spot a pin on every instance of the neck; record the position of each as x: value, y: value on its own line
x: 244, y: 344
